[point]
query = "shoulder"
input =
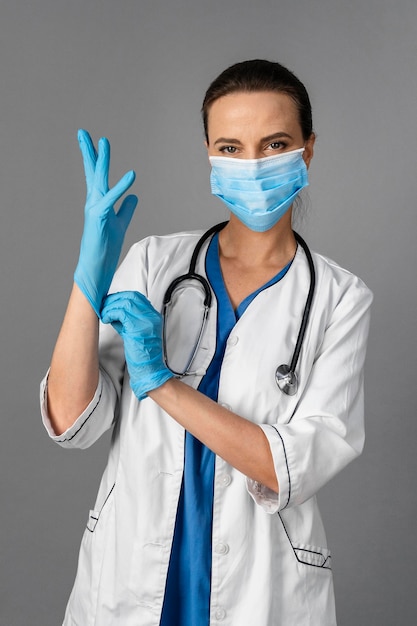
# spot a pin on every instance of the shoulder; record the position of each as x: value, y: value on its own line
x: 155, y: 259
x: 165, y: 243
x: 157, y: 250
x: 338, y: 283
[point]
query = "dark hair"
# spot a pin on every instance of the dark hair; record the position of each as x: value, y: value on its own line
x: 260, y: 75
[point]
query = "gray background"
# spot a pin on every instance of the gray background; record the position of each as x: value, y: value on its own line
x: 137, y: 71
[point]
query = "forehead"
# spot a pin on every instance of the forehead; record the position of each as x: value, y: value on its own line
x: 256, y: 110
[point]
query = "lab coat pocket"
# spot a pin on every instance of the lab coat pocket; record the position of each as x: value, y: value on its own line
x: 82, y: 606
x: 92, y: 520
x: 307, y: 554
x: 94, y: 515
x: 312, y: 555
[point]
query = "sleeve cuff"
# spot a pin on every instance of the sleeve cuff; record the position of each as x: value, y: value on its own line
x: 270, y: 501
x: 66, y: 438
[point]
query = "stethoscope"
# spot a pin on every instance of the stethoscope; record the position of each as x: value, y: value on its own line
x: 285, y: 374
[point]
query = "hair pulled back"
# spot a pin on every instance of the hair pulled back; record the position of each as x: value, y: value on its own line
x: 260, y: 75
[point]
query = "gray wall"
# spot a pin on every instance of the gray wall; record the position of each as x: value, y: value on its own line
x: 136, y: 71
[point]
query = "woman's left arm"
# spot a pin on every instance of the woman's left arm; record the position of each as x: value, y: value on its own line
x: 241, y: 443
x: 237, y: 440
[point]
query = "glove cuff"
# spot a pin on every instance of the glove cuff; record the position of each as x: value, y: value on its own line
x: 152, y: 382
x: 84, y: 289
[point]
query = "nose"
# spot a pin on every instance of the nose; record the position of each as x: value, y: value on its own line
x: 252, y: 152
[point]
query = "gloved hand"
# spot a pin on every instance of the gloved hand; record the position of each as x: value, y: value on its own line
x: 104, y: 229
x: 140, y: 326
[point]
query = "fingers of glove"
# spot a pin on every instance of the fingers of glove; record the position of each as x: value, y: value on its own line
x: 89, y: 155
x: 105, y: 204
x: 124, y: 297
x: 133, y: 311
x: 101, y: 176
x: 114, y: 314
x: 125, y: 213
x: 132, y: 303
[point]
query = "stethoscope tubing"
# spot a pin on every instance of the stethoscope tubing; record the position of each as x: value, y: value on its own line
x: 309, y: 301
x: 286, y: 377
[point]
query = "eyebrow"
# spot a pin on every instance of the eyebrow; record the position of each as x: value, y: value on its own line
x: 280, y: 135
x: 231, y: 140
x: 227, y: 140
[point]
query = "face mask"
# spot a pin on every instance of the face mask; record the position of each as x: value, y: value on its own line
x: 259, y: 191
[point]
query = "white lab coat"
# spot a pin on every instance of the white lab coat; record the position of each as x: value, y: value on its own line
x: 270, y: 565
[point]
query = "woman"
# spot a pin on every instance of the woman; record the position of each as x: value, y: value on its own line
x: 207, y: 510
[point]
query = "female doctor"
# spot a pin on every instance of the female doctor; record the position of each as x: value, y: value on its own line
x: 224, y: 428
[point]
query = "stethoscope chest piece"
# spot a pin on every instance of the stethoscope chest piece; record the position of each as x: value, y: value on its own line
x: 286, y: 380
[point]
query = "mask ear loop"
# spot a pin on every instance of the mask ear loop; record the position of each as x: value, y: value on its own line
x: 285, y: 375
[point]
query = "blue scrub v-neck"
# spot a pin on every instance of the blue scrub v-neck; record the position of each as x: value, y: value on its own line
x: 187, y: 592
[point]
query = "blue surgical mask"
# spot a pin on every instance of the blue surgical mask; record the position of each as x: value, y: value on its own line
x: 259, y: 191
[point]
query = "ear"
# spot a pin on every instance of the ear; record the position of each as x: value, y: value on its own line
x: 309, y: 149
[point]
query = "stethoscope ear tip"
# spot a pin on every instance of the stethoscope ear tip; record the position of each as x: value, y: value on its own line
x: 286, y: 380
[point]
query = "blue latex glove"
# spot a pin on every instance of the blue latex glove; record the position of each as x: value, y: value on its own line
x: 140, y: 326
x: 104, y: 229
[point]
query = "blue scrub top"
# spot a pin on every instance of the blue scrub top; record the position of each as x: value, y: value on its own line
x: 187, y: 593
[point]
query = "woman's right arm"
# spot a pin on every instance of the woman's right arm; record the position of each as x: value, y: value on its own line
x: 74, y: 372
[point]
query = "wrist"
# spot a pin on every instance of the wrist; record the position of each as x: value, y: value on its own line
x: 166, y: 392
x: 154, y: 384
x: 83, y: 301
x: 90, y: 291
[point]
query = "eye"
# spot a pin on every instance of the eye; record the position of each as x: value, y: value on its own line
x: 277, y: 145
x: 228, y: 150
